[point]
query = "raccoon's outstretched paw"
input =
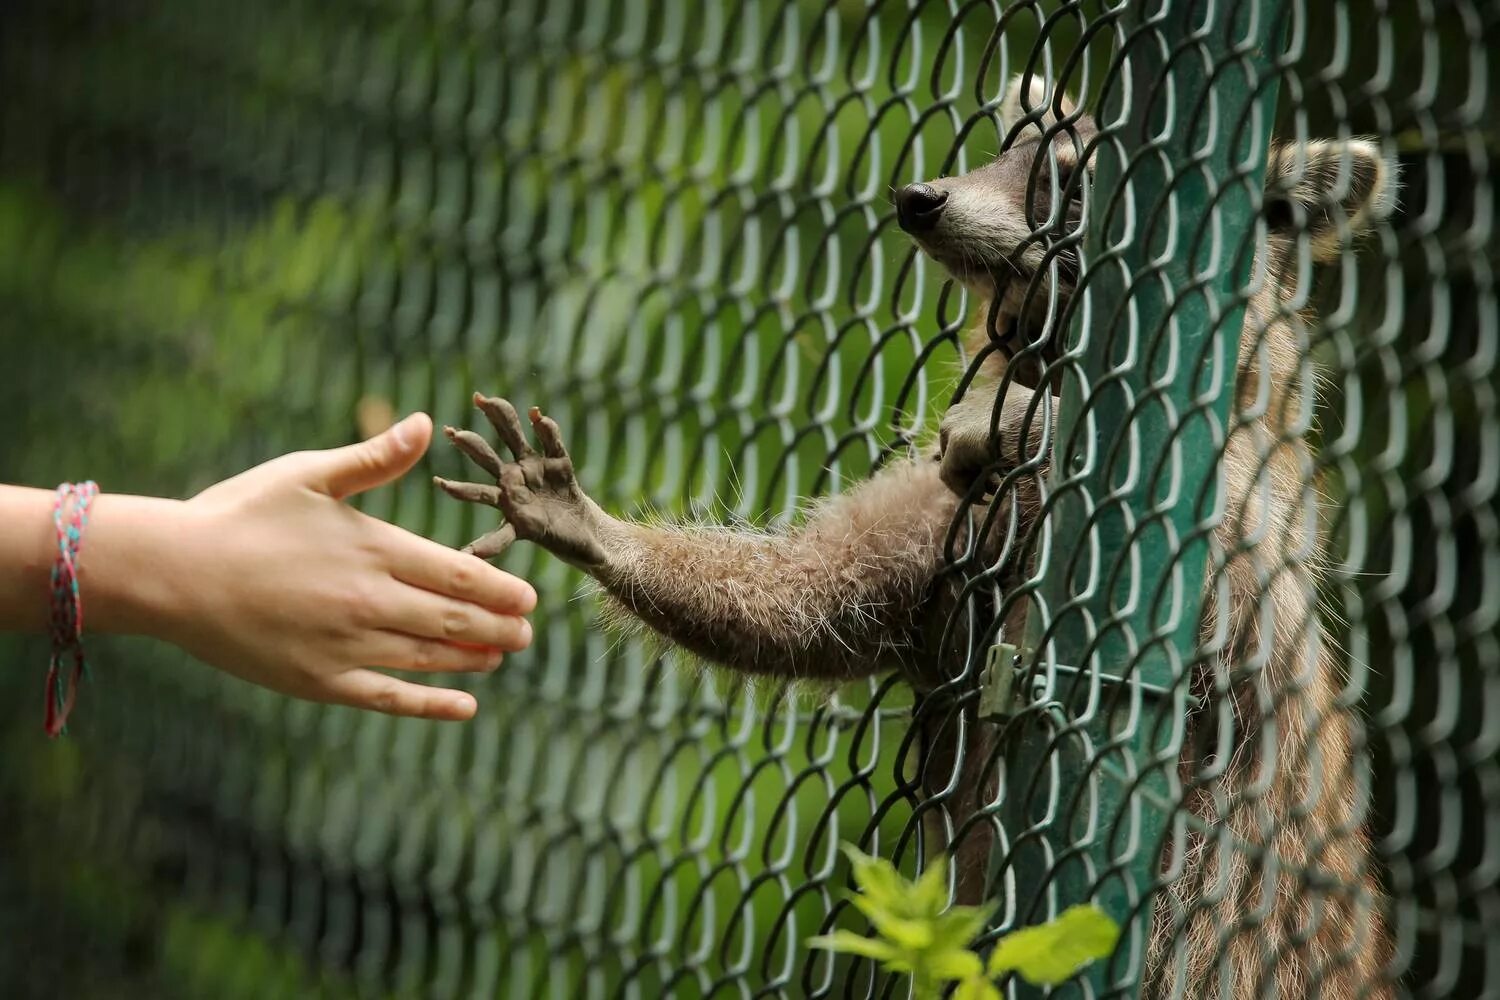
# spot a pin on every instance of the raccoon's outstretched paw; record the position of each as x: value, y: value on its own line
x: 536, y: 491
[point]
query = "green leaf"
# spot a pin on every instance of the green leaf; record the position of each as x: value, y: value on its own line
x: 959, y: 926
x: 1052, y: 952
x: 930, y: 894
x: 877, y: 878
x: 976, y: 988
x: 911, y: 933
x: 851, y: 943
x: 953, y: 963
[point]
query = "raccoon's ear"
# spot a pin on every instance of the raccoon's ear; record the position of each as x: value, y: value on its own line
x: 1033, y: 96
x: 1334, y: 191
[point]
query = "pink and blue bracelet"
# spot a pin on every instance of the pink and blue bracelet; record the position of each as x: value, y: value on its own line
x: 70, y: 516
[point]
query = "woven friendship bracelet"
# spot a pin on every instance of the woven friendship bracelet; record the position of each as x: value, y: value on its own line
x: 70, y: 515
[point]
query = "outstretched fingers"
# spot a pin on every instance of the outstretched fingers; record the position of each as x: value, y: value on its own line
x: 469, y: 492
x: 507, y: 423
x: 493, y: 544
x: 548, y: 433
x: 477, y: 448
x: 382, y: 693
x: 528, y: 490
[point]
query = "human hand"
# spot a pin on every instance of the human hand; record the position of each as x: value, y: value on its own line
x: 287, y: 587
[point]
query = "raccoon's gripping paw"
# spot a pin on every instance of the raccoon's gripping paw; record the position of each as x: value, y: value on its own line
x: 967, y: 450
x: 536, y: 491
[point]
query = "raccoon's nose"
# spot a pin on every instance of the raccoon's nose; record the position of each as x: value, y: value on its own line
x: 918, y: 207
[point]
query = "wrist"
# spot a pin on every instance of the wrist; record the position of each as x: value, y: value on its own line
x: 28, y: 548
x: 614, y: 547
x: 131, y: 577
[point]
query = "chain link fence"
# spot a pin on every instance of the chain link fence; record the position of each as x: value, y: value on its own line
x: 1210, y: 639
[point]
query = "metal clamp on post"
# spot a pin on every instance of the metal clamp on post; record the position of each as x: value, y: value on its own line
x: 997, y: 684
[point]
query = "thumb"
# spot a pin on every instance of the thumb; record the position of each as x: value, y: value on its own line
x: 343, y: 472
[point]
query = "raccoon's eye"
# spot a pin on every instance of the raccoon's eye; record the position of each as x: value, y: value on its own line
x: 1278, y: 213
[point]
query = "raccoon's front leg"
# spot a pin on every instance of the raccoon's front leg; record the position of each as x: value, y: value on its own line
x: 836, y: 598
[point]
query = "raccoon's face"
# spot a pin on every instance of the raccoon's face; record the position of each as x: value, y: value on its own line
x: 991, y: 227
x: 996, y: 227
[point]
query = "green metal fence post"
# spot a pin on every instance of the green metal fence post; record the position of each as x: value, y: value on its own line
x: 1114, y: 623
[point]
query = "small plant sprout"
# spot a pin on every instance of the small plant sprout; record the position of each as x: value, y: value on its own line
x: 918, y: 934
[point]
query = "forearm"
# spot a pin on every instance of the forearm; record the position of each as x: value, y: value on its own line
x: 836, y: 599
x: 125, y: 580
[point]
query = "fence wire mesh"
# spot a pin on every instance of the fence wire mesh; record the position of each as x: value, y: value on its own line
x: 1210, y: 288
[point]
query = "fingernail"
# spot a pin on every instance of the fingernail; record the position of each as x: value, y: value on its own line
x: 401, y: 433
x: 493, y: 660
x: 398, y: 433
x: 525, y: 632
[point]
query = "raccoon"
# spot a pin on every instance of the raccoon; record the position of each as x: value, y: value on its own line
x: 865, y: 581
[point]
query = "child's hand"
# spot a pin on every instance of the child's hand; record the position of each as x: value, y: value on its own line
x: 276, y: 581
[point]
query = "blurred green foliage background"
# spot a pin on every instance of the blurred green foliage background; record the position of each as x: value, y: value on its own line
x: 225, y: 228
